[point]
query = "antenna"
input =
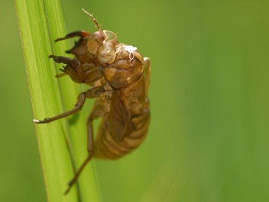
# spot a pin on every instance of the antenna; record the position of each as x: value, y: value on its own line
x: 93, y: 19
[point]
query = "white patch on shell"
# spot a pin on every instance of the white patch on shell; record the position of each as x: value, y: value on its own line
x: 130, y: 50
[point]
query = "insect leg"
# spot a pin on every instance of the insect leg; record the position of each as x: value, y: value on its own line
x: 147, y: 65
x: 69, y: 61
x: 80, y: 33
x: 60, y: 75
x: 92, y: 93
x: 65, y: 60
x: 77, y: 108
x: 96, y: 112
x: 73, y: 181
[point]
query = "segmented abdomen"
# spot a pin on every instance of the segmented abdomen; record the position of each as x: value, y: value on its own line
x: 108, y: 148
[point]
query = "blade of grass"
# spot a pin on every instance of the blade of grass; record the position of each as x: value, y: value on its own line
x: 40, y: 22
x: 77, y: 126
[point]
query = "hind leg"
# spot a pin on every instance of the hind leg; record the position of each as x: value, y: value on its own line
x: 97, y: 111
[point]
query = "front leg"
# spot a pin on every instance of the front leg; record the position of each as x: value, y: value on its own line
x: 71, y: 68
x: 92, y: 93
x: 79, y: 73
x: 80, y: 33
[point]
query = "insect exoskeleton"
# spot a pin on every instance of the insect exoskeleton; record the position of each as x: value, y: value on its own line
x: 119, y: 77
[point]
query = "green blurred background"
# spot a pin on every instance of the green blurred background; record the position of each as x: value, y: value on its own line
x: 209, y: 135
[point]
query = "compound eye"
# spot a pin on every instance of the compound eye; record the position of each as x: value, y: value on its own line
x: 95, y: 41
x: 109, y: 35
x: 93, y: 46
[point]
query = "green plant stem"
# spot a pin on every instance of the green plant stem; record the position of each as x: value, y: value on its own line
x: 40, y: 23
